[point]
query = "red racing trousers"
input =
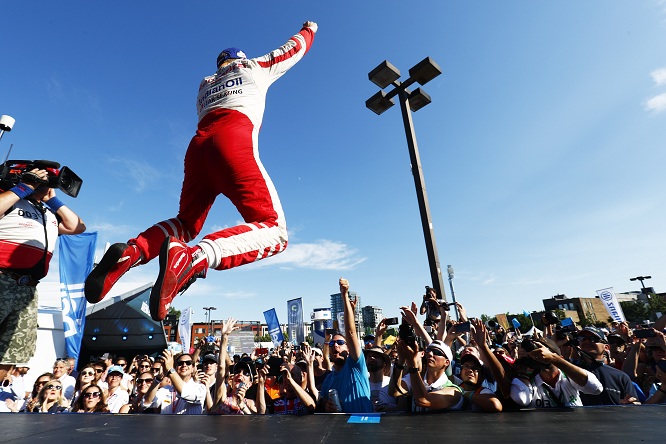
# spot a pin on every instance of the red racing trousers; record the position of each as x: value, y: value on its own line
x: 223, y: 158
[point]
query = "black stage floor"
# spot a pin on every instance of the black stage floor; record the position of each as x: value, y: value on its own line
x: 626, y: 424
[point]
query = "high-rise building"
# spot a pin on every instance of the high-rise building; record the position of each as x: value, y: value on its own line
x: 372, y: 316
x: 337, y: 309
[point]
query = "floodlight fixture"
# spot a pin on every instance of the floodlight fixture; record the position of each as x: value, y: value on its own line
x: 379, y: 103
x: 384, y: 74
x: 424, y: 71
x: 418, y: 99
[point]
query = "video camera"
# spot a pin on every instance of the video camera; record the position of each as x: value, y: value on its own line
x: 64, y: 179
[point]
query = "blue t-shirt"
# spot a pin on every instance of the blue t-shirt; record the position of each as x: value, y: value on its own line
x: 353, y: 385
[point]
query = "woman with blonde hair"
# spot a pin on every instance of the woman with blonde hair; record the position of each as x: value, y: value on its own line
x: 51, y: 398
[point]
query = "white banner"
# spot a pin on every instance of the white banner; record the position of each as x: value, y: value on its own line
x: 607, y: 296
x: 185, y: 328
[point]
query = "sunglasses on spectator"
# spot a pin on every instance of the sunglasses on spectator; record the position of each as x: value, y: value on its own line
x: 179, y: 363
x: 157, y: 369
x: 92, y: 394
x: 474, y: 368
x: 146, y: 366
x: 122, y: 364
x: 99, y: 370
x: 339, y: 342
x: 146, y: 380
x: 53, y: 387
x: 589, y: 338
x: 435, y: 351
x: 90, y: 373
x: 244, y: 372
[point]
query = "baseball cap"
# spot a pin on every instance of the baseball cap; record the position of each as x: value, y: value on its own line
x: 440, y: 345
x: 596, y: 332
x: 616, y: 338
x: 209, y: 357
x: 471, y: 357
x: 230, y: 53
x: 115, y: 369
x: 245, y: 365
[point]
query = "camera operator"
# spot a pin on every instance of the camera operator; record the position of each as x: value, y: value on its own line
x: 557, y: 382
x: 430, y: 308
x: 31, y: 218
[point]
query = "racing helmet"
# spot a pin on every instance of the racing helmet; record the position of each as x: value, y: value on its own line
x: 230, y: 53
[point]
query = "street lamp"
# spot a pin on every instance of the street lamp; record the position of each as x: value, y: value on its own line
x: 208, y: 323
x: 386, y: 74
x: 449, y: 270
x: 6, y: 124
x: 640, y: 278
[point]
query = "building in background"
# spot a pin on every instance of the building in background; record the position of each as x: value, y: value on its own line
x: 372, y: 316
x: 591, y: 310
x: 338, y: 310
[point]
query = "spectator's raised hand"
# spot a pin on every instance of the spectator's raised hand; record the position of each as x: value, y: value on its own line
x: 167, y: 356
x: 229, y: 326
x: 478, y: 330
x: 409, y: 315
x: 262, y: 374
x: 462, y: 314
x: 406, y: 352
x: 381, y: 328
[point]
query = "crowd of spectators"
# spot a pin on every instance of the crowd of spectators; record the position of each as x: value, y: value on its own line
x: 435, y: 365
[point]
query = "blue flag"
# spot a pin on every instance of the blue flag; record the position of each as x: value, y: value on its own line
x: 273, y: 327
x: 77, y: 254
x: 295, y: 320
x: 526, y: 313
x: 515, y: 323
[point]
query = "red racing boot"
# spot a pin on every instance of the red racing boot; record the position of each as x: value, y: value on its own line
x: 116, y: 261
x: 180, y: 266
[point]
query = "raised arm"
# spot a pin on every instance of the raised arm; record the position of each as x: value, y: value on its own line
x: 351, y: 337
x: 227, y: 327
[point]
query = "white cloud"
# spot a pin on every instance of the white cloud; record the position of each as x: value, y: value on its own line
x: 141, y: 174
x: 320, y: 255
x: 659, y: 76
x: 656, y: 103
x: 107, y: 227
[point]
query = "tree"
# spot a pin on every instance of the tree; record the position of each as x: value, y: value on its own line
x: 174, y: 312
x: 640, y: 311
x: 264, y: 338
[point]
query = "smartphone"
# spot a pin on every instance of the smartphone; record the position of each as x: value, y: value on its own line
x: 330, y: 331
x: 644, y: 333
x: 391, y: 321
x: 463, y: 328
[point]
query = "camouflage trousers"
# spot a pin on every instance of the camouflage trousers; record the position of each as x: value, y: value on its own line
x: 18, y: 321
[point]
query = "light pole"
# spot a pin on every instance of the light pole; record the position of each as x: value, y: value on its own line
x: 208, y: 322
x: 386, y: 74
x: 640, y: 278
x: 449, y: 270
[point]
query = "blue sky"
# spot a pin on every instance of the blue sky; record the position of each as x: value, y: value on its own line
x: 541, y: 149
